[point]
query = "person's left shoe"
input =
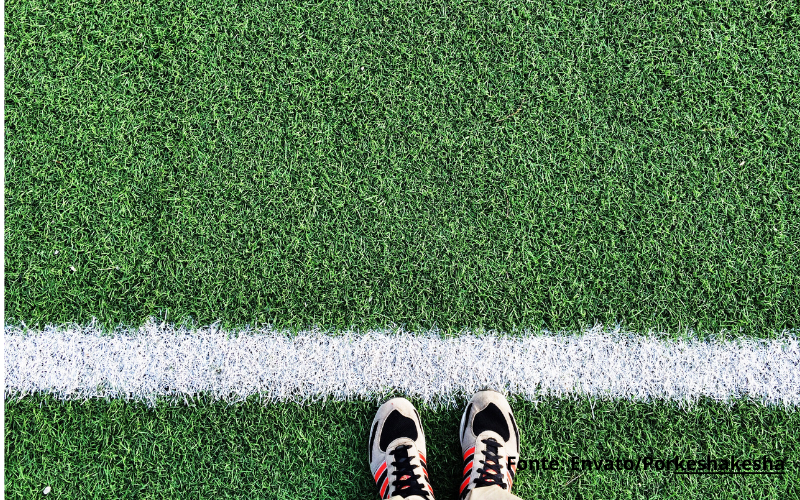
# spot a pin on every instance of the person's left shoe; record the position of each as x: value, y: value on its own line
x: 397, y: 452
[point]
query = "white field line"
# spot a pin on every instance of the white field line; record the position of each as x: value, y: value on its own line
x: 162, y: 361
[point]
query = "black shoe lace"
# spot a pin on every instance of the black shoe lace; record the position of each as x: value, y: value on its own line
x: 490, y: 474
x: 407, y: 483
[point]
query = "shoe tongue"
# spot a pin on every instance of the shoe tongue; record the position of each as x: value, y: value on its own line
x: 501, y: 453
x: 413, y: 454
x: 404, y: 441
x: 486, y: 435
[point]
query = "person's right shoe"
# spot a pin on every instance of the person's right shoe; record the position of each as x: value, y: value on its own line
x: 489, y: 446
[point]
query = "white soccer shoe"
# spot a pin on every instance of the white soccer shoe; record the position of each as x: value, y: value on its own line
x: 397, y: 452
x: 489, y: 447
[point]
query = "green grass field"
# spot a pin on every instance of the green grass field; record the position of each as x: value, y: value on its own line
x: 235, y: 161
x: 100, y: 449
x: 457, y: 164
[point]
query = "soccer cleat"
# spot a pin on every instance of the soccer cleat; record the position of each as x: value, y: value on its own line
x: 397, y: 452
x: 489, y: 446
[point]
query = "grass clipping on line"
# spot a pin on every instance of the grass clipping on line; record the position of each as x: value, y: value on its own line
x: 161, y: 361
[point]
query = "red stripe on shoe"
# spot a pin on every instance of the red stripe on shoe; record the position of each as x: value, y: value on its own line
x: 380, y: 471
x: 469, y: 452
x: 468, y: 467
x: 463, y: 485
x: 384, y: 487
x: 423, y: 459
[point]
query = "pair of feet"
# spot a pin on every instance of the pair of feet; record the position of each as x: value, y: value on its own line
x: 489, y: 447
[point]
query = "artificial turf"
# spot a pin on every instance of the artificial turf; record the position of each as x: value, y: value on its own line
x: 101, y: 449
x: 496, y: 164
x: 458, y: 164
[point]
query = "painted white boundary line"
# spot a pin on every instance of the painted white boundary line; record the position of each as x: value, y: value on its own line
x: 165, y: 361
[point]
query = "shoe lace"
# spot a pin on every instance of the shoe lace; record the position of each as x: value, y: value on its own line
x: 491, y: 473
x: 407, y: 482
